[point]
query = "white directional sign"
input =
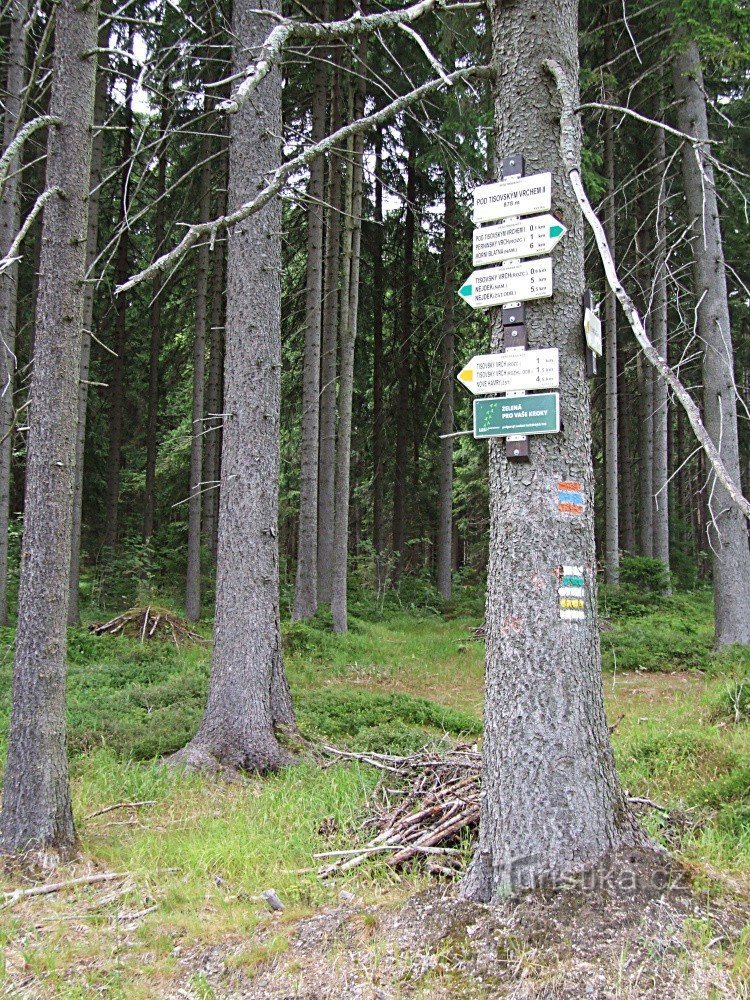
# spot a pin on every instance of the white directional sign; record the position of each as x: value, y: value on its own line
x: 512, y: 371
x: 521, y: 282
x: 518, y: 238
x: 592, y: 327
x: 522, y: 196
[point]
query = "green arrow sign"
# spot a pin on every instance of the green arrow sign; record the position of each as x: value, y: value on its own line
x: 466, y: 290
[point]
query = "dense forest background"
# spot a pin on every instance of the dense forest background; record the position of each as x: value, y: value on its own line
x: 163, y: 157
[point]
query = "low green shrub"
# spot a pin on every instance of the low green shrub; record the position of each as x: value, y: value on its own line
x: 343, y: 713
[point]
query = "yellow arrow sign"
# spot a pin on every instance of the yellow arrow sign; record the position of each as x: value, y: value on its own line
x: 467, y: 375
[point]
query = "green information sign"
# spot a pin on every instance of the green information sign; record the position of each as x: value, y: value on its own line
x: 504, y: 416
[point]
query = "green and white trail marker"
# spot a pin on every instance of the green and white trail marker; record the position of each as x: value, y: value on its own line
x: 518, y: 282
x: 530, y: 237
x: 535, y: 414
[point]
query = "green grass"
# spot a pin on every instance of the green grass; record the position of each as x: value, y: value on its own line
x: 205, y: 850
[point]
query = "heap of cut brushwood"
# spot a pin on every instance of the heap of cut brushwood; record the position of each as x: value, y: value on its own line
x: 424, y: 803
x: 150, y: 623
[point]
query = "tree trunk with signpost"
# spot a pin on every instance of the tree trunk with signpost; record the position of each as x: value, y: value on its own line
x: 551, y: 803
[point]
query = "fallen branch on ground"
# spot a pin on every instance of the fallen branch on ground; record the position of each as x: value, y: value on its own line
x: 438, y: 803
x: 150, y: 623
x: 120, y: 805
x: 44, y: 890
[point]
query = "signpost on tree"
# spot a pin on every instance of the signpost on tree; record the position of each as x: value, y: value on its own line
x: 551, y: 801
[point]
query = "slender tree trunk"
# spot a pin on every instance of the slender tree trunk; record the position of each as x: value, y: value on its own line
x: 644, y: 265
x: 213, y: 425
x: 306, y: 586
x: 445, y: 475
x: 348, y: 341
x: 10, y: 216
x: 158, y: 291
x: 378, y: 280
x: 611, y: 466
x: 203, y: 263
x: 117, y: 378
x: 247, y: 691
x: 645, y: 456
x: 728, y: 528
x: 625, y: 462
x: 329, y: 348
x: 404, y: 361
x: 36, y: 807
x: 551, y: 801
x: 92, y: 237
x: 660, y: 395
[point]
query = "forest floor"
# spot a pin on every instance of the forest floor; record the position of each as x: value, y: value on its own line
x: 181, y: 912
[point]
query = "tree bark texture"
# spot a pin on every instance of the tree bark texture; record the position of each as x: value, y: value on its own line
x: 158, y: 291
x: 645, y: 270
x: 117, y: 376
x: 36, y: 808
x: 445, y: 475
x: 10, y: 215
x: 404, y: 351
x: 306, y: 584
x: 237, y: 729
x: 92, y: 239
x: 611, y: 465
x: 551, y: 801
x: 659, y: 336
x: 378, y: 280
x: 625, y: 458
x: 203, y: 264
x: 329, y: 349
x: 348, y: 342
x: 728, y: 533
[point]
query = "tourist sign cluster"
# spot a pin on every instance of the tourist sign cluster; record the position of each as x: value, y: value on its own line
x: 520, y: 207
x: 520, y: 196
x: 514, y: 415
x: 530, y: 237
x: 512, y: 371
x: 519, y: 282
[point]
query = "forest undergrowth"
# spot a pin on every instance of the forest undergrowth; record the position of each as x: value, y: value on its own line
x: 192, y: 858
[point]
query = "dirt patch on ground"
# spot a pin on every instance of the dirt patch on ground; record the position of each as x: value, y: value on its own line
x: 636, y: 927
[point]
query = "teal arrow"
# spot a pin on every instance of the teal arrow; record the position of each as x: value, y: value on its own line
x: 556, y: 230
x: 466, y: 290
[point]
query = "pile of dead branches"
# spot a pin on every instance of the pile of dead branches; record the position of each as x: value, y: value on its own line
x: 435, y: 799
x: 150, y: 623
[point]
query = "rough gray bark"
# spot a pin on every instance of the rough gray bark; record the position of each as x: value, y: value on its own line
x: 10, y: 216
x: 445, y: 475
x: 36, y: 808
x: 551, y: 802
x: 625, y: 461
x: 158, y: 291
x: 213, y: 425
x: 378, y: 278
x: 202, y: 265
x: 645, y: 457
x: 728, y: 528
x: 306, y: 584
x: 247, y: 691
x: 404, y: 350
x: 117, y: 376
x: 92, y: 237
x: 349, y: 316
x: 645, y: 436
x: 660, y: 394
x: 611, y: 465
x: 329, y: 348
